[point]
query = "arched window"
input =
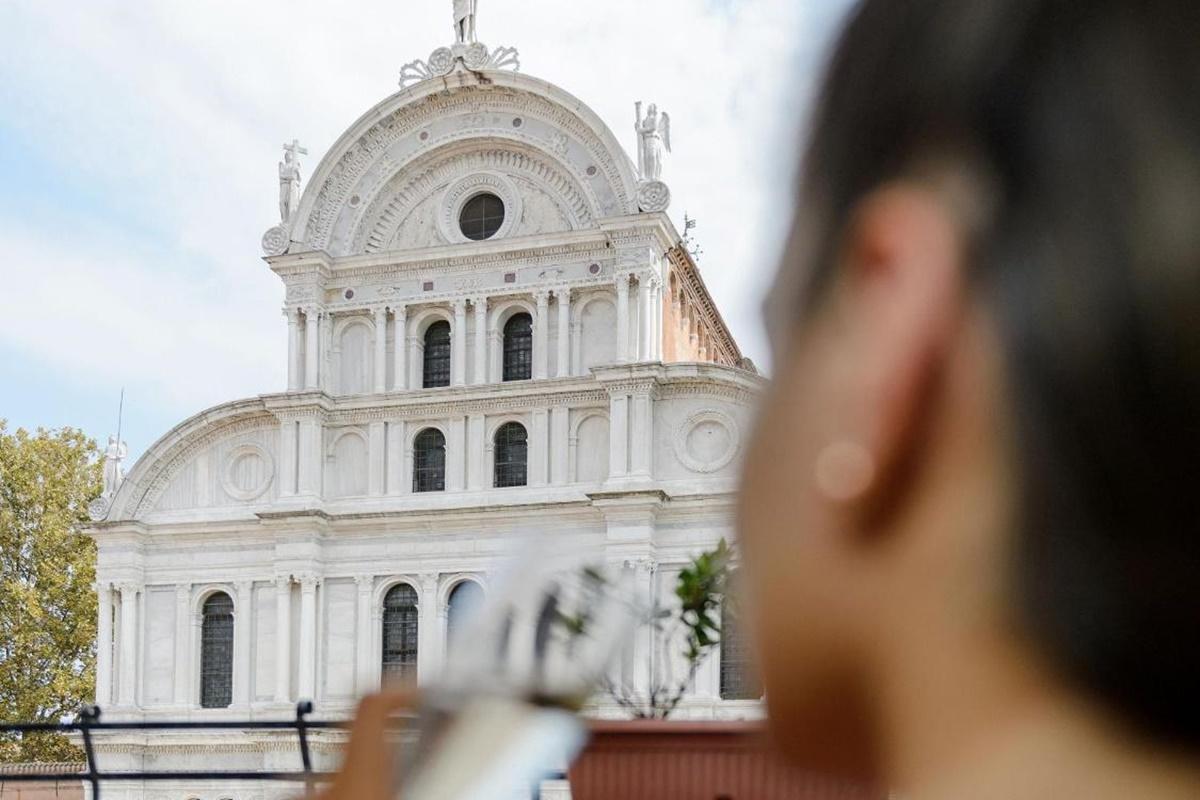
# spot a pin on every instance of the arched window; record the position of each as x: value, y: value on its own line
x: 739, y: 681
x: 216, y: 652
x: 437, y: 355
x: 400, y: 633
x: 512, y: 455
x: 518, y: 348
x: 465, y: 599
x: 429, y: 461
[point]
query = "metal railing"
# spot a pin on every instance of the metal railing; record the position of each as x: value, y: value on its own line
x: 88, y: 722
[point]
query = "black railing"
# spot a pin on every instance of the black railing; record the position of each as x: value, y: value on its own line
x: 88, y: 723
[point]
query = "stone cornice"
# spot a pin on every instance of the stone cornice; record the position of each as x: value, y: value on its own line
x: 692, y: 284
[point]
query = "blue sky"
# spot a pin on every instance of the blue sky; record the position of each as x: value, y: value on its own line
x: 138, y: 144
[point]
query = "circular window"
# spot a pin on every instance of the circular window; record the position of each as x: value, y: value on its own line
x: 481, y: 217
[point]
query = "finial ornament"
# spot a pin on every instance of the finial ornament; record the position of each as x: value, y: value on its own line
x: 275, y: 240
x: 467, y: 53
x: 654, y: 142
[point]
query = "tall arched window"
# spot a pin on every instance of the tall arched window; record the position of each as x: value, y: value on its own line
x: 465, y: 599
x: 216, y: 652
x: 400, y: 633
x: 429, y: 461
x: 739, y: 681
x: 512, y: 455
x: 518, y: 348
x: 437, y: 355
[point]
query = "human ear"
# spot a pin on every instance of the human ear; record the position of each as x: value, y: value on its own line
x: 897, y: 306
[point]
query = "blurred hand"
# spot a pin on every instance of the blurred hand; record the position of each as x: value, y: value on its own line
x: 369, y: 771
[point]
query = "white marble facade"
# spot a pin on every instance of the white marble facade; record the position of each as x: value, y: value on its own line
x: 300, y: 505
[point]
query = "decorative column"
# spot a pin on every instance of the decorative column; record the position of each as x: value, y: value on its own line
x: 104, y: 644
x: 657, y: 346
x: 311, y: 347
x: 538, y: 447
x: 642, y: 346
x: 287, y: 456
x: 476, y: 455
x: 127, y: 695
x: 563, y: 367
x: 283, y: 639
x: 622, y: 317
x: 541, y: 336
x: 559, y: 450
x: 183, y: 644
x: 311, y: 456
x: 399, y: 347
x: 481, y: 359
x: 242, y: 623
x: 642, y: 434
x: 429, y: 638
x: 381, y: 350
x: 365, y: 668
x: 295, y: 370
x: 376, y: 457
x: 643, y: 644
x: 456, y: 454
x: 618, y: 443
x: 458, y: 353
x: 308, y: 637
x: 395, y: 457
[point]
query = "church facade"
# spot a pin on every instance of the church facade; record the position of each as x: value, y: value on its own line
x: 494, y: 332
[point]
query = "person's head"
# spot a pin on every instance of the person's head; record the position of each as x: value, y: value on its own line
x: 983, y: 431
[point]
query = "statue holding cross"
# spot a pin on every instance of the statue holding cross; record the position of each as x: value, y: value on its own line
x: 289, y: 181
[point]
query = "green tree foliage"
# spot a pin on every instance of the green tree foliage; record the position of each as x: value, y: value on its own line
x: 47, y: 568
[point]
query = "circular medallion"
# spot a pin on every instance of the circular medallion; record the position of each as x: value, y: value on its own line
x: 653, y: 196
x: 98, y: 509
x: 707, y: 441
x: 248, y: 472
x: 275, y: 241
x: 441, y: 61
x: 476, y: 56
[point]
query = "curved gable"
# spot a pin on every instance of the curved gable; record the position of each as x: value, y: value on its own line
x: 388, y: 182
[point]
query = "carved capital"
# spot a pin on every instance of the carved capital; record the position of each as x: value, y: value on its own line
x: 624, y: 279
x: 542, y: 297
x: 309, y: 582
x: 380, y: 313
x: 459, y: 306
x: 480, y: 304
x: 283, y: 583
x: 399, y: 311
x: 183, y: 592
x: 128, y: 587
x: 429, y: 583
x: 365, y: 583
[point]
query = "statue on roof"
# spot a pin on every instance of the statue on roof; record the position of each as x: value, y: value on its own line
x: 464, y: 20
x: 654, y: 140
x: 289, y: 181
x: 114, y: 473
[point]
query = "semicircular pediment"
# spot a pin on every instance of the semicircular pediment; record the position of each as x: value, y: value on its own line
x: 380, y: 167
x: 418, y: 207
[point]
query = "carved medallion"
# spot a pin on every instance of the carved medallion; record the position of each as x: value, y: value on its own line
x: 653, y: 196
x: 275, y: 241
x: 707, y: 441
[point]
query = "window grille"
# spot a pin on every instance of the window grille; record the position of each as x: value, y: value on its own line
x: 429, y: 461
x: 437, y: 355
x: 512, y: 455
x: 400, y: 634
x: 739, y: 681
x: 518, y: 348
x: 216, y: 652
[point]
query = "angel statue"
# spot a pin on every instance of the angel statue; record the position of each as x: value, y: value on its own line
x: 654, y: 137
x: 464, y: 20
x: 289, y: 181
x: 114, y: 473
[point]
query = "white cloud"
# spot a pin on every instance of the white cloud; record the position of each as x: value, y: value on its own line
x: 173, y: 114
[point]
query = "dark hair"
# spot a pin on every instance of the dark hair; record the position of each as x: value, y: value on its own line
x: 1082, y: 120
